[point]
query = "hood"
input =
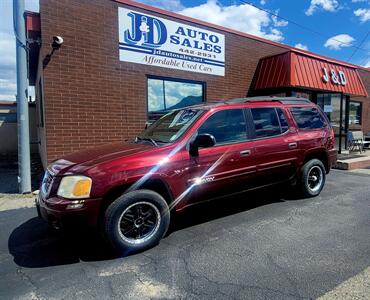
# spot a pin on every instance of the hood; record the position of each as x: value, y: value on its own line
x: 93, y: 156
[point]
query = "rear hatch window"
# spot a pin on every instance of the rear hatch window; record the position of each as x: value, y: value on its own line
x: 308, y: 117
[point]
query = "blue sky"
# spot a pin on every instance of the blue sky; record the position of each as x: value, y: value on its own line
x: 7, y: 48
x: 340, y: 26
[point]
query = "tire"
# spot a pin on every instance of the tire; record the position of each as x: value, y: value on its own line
x: 128, y: 221
x: 312, y: 179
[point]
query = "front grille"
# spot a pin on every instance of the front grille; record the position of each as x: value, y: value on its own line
x: 47, y: 183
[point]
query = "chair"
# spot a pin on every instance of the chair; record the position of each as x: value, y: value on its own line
x: 356, y: 139
x: 353, y: 142
x: 367, y: 139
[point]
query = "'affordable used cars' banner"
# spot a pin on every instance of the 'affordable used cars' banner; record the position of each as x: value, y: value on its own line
x: 150, y: 40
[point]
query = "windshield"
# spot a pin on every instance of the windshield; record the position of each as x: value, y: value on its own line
x: 171, y: 126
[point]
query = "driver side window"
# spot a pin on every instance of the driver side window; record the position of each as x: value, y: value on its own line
x: 227, y: 126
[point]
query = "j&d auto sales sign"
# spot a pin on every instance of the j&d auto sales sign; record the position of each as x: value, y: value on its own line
x: 150, y: 40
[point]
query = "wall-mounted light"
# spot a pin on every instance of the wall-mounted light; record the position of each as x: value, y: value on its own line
x: 55, y: 45
x: 57, y: 42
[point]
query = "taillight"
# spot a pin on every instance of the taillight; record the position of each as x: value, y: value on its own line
x: 331, y: 140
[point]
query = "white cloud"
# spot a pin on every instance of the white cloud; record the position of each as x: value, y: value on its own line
x: 7, y: 48
x: 339, y: 41
x: 263, y: 2
x: 367, y: 63
x: 327, y: 5
x: 301, y: 46
x: 5, y: 83
x: 175, y: 92
x: 279, y: 22
x: 242, y: 17
x: 32, y: 5
x: 7, y: 67
x: 155, y: 95
x: 363, y: 14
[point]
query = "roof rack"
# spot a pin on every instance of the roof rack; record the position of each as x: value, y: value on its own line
x: 283, y: 100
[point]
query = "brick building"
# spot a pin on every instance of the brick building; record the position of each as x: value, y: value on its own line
x: 122, y: 64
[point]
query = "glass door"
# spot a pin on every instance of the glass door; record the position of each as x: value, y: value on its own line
x: 334, y: 107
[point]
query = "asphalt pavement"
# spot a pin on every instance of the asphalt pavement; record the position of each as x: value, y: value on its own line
x: 260, y: 245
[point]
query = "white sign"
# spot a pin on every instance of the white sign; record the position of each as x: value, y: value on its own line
x: 336, y: 78
x: 149, y: 40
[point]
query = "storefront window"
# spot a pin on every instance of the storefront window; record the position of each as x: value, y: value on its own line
x: 167, y: 94
x: 307, y: 95
x: 355, y: 112
x: 330, y: 104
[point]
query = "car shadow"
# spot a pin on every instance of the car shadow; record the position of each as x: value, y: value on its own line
x: 223, y: 207
x: 34, y: 244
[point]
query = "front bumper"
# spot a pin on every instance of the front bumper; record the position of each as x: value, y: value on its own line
x: 61, y: 213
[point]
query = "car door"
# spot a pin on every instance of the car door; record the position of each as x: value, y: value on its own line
x: 275, y: 144
x: 224, y: 168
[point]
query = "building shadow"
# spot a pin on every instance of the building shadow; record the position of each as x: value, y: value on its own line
x: 34, y: 244
x: 9, y: 173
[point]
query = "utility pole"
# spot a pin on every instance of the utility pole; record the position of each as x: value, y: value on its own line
x: 24, y: 165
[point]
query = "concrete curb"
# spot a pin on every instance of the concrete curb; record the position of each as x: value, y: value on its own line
x: 16, y: 201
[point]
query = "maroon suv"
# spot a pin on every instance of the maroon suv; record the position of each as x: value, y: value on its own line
x: 131, y: 189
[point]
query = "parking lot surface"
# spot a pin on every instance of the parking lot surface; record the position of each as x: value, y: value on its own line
x: 256, y: 246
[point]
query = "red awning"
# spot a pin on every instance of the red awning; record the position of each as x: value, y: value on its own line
x: 294, y: 69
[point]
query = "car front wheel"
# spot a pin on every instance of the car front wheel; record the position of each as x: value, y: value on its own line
x: 313, y: 177
x: 136, y: 221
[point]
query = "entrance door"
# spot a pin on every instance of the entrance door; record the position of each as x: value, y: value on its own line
x: 334, y: 107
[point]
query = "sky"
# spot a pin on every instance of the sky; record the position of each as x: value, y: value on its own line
x: 335, y: 28
x: 8, y: 84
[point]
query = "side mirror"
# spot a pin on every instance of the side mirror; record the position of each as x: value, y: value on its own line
x: 205, y: 140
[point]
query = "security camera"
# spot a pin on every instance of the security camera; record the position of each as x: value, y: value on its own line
x: 57, y: 42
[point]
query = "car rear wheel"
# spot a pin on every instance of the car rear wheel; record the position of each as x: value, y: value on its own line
x: 136, y: 221
x: 312, y: 178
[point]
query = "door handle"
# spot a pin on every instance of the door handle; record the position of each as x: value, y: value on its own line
x: 245, y: 153
x: 292, y: 145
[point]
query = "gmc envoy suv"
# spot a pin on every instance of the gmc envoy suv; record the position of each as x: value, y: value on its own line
x: 131, y: 190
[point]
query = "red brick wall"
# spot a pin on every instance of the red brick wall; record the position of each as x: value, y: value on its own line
x: 92, y: 98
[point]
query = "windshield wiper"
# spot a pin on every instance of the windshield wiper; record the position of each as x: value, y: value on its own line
x: 147, y: 139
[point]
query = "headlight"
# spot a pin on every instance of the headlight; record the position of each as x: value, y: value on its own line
x: 75, y: 187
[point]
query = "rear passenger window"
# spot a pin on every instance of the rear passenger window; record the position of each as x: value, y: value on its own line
x: 308, y: 117
x: 283, y: 122
x: 266, y: 122
x: 227, y: 126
